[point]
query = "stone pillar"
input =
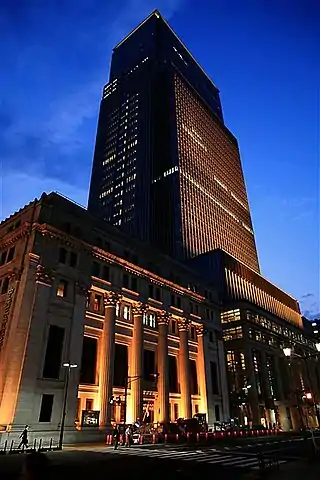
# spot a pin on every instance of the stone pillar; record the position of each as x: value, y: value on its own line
x: 201, y: 367
x: 106, y: 351
x: 162, y: 363
x: 136, y: 363
x: 23, y: 343
x: 252, y: 392
x: 278, y: 379
x: 73, y: 354
x: 184, y: 369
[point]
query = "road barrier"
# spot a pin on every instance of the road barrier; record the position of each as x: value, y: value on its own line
x: 9, y: 448
x: 200, y: 437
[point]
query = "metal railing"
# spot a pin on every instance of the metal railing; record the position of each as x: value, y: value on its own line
x: 39, y: 445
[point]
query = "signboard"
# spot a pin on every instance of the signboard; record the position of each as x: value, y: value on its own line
x: 90, y: 418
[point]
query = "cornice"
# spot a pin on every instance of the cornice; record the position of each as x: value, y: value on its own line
x: 110, y: 258
x: 12, y: 237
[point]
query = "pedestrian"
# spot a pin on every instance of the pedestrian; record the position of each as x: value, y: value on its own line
x: 24, y: 438
x: 116, y: 437
x: 35, y: 466
x: 128, y: 434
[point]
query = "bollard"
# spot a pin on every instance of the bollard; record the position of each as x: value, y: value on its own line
x: 40, y: 445
x: 11, y: 446
x: 5, y: 446
x: 188, y: 436
x: 154, y: 438
x: 198, y: 437
x: 50, y: 445
x: 35, y: 444
x: 165, y: 438
x: 141, y: 439
x: 177, y: 437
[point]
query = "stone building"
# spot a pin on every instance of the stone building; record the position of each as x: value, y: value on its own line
x: 75, y: 290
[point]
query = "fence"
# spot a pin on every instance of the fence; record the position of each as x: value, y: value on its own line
x: 39, y: 445
x: 202, y: 437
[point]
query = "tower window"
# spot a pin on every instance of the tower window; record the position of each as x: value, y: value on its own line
x: 62, y: 288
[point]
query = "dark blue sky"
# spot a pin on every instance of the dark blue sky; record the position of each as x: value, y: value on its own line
x: 262, y: 54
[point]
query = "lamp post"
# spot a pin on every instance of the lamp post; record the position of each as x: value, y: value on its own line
x: 69, y: 366
x: 288, y: 352
x: 128, y: 381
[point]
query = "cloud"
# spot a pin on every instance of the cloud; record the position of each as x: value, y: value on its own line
x: 311, y: 315
x: 54, y: 132
x: 308, y: 295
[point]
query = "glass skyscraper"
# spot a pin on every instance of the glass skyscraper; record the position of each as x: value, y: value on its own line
x: 166, y: 169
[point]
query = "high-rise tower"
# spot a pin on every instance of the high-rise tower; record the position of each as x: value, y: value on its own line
x: 166, y: 169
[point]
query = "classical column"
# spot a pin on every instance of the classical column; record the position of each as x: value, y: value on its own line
x: 106, y: 350
x: 136, y: 361
x: 184, y: 370
x: 253, y: 394
x: 162, y: 356
x: 202, y: 370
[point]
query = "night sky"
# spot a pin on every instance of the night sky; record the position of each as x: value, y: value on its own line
x: 264, y: 56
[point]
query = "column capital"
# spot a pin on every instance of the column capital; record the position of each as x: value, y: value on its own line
x: 163, y: 318
x: 44, y: 276
x: 183, y: 324
x: 201, y: 330
x: 139, y: 308
x: 111, y: 299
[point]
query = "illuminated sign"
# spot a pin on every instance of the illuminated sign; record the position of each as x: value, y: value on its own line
x: 90, y: 418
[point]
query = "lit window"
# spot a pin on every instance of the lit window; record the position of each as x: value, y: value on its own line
x: 118, y: 310
x: 149, y: 320
x: 97, y: 303
x: 62, y: 288
x: 126, y: 312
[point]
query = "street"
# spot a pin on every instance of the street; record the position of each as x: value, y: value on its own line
x: 175, y: 461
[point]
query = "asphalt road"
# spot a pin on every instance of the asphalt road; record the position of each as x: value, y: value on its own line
x: 67, y: 465
x: 184, y: 461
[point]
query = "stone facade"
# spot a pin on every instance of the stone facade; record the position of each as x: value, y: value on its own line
x: 78, y: 291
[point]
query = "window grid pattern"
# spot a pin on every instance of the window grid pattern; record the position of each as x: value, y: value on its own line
x: 214, y: 205
x: 117, y: 193
x: 232, y: 333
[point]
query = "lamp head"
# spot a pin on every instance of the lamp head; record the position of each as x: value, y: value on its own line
x: 287, y: 351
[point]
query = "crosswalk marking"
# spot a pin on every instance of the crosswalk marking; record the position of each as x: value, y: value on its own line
x: 211, y: 457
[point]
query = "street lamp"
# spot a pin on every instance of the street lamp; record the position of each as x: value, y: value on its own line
x: 69, y: 366
x: 128, y: 381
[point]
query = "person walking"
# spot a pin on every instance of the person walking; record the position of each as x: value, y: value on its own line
x: 116, y: 437
x: 24, y: 438
x: 128, y: 434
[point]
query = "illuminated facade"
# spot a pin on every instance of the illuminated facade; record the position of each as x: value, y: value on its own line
x: 74, y: 289
x: 259, y: 320
x: 162, y: 146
